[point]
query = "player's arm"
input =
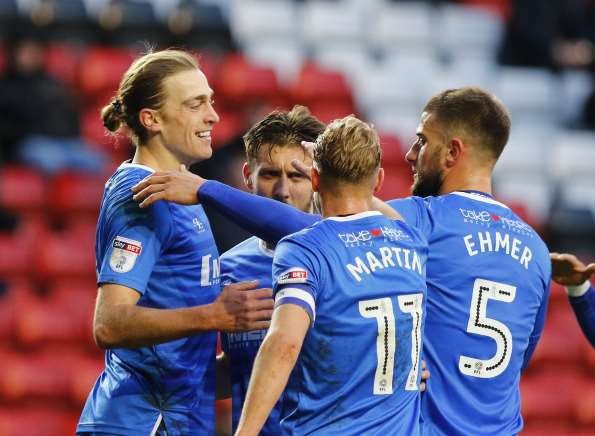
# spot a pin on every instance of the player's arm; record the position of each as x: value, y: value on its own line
x: 570, y: 272
x: 274, y: 362
x: 267, y: 219
x: 120, y: 322
x: 223, y: 387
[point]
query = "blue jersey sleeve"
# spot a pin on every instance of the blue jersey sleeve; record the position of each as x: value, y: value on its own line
x: 414, y: 211
x: 133, y: 239
x: 584, y: 309
x: 267, y: 219
x: 296, y: 276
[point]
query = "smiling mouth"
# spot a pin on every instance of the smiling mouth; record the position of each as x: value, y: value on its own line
x: 204, y: 135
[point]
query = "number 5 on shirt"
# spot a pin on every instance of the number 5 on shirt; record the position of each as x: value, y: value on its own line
x: 480, y: 324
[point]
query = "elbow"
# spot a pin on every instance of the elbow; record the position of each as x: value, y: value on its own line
x: 104, y: 336
x: 286, y: 346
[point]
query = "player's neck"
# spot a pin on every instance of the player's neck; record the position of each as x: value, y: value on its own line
x: 158, y: 158
x: 342, y: 205
x: 468, y: 180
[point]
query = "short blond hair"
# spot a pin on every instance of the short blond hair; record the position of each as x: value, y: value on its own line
x: 348, y: 150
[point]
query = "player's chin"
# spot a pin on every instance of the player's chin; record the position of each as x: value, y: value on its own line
x: 203, y: 151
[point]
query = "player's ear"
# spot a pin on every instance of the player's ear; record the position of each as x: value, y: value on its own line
x: 247, y: 172
x: 315, y: 177
x: 455, y: 151
x: 150, y: 120
x: 379, y: 180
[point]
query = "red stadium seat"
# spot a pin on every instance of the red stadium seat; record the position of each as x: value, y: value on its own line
x: 102, y: 69
x: 15, y: 256
x: 33, y: 376
x: 85, y: 371
x: 15, y: 300
x: 392, y: 150
x: 327, y: 112
x: 562, y: 341
x: 231, y: 126
x: 63, y: 62
x: 241, y: 82
x: 584, y: 405
x: 314, y: 84
x: 75, y: 195
x: 549, y: 394
x: 22, y: 189
x: 65, y: 255
x: 397, y: 183
x: 37, y: 421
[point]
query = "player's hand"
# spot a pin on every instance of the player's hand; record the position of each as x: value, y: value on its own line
x: 242, y: 307
x: 568, y: 270
x: 304, y: 169
x: 425, y: 374
x: 177, y: 186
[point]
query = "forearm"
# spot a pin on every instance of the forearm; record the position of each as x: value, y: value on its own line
x: 127, y: 325
x: 223, y: 386
x: 274, y: 362
x: 267, y: 219
x: 584, y: 309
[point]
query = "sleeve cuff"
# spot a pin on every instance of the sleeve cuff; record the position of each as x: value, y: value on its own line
x: 578, y: 291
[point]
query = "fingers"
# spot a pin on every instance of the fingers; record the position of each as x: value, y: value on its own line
x: 304, y: 169
x: 259, y: 294
x: 243, y: 286
x: 156, y: 178
x: 590, y: 269
x: 423, y: 364
x: 150, y: 189
x: 152, y: 199
x: 422, y: 386
x: 263, y: 304
x: 308, y: 147
x: 257, y: 325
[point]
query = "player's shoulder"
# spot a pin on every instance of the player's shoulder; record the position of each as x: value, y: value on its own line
x: 247, y: 247
x: 118, y: 194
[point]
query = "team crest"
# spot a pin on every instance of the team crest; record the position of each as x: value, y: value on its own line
x: 293, y: 275
x: 124, y: 254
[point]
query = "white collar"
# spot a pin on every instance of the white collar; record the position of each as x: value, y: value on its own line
x: 479, y: 197
x: 355, y: 216
x: 135, y: 165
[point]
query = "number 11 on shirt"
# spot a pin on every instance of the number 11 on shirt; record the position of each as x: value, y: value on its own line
x: 382, y: 310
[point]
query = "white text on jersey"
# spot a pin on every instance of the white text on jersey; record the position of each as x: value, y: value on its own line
x: 388, y: 257
x: 488, y: 242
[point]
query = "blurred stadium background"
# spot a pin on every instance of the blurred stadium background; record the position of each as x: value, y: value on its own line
x: 61, y: 61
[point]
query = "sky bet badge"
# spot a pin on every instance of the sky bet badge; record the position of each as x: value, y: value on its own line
x: 124, y: 254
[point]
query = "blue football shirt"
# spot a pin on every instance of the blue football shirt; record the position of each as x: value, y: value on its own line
x: 249, y: 260
x: 167, y: 254
x: 361, y: 279
x: 488, y: 277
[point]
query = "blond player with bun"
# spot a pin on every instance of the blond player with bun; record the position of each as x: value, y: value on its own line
x: 159, y: 301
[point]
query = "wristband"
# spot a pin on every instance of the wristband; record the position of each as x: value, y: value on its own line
x: 578, y: 291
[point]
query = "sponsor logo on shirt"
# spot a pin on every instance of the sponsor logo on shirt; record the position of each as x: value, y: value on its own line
x: 487, y: 219
x: 365, y: 237
x: 293, y: 275
x: 124, y: 254
x: 198, y: 225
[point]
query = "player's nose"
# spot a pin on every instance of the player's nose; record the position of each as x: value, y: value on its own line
x: 281, y: 189
x: 211, y: 117
x: 411, y: 155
